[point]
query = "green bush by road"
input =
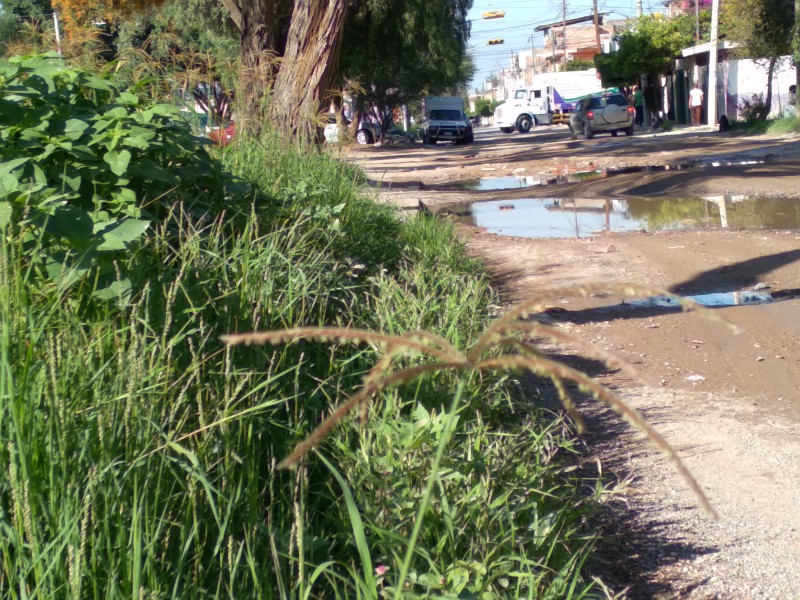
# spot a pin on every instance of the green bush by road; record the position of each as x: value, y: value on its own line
x: 139, y: 453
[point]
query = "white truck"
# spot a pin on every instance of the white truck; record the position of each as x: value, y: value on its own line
x: 550, y: 99
x: 445, y: 120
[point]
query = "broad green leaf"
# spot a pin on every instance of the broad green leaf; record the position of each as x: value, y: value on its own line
x: 128, y: 99
x: 145, y: 133
x: 136, y: 142
x: 72, y: 179
x: 65, y: 269
x: 8, y: 184
x: 124, y: 196
x: 118, y: 235
x: 118, y: 161
x: 118, y: 290
x: 38, y: 175
x: 5, y: 214
x: 11, y: 165
x: 48, y: 150
x: 118, y: 112
x: 147, y: 169
x: 42, y: 82
x: 8, y: 70
x: 165, y: 110
x: 10, y: 112
x: 71, y: 223
x: 74, y: 128
x: 97, y: 83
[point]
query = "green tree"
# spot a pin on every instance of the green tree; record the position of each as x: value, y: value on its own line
x: 14, y: 12
x: 578, y: 65
x: 399, y: 50
x: 646, y: 49
x: 763, y: 30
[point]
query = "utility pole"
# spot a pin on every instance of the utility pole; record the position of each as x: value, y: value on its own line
x: 696, y: 22
x: 712, y: 66
x: 564, y: 27
x: 58, y: 32
x: 533, y: 58
x: 597, y: 28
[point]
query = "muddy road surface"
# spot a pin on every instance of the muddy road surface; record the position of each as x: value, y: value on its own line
x: 728, y: 402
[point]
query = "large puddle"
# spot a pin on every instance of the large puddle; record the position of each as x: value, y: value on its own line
x: 585, y: 217
x: 516, y: 181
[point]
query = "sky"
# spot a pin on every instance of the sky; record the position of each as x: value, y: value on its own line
x: 522, y: 17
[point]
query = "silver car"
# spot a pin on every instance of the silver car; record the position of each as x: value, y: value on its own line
x: 606, y: 112
x: 367, y: 132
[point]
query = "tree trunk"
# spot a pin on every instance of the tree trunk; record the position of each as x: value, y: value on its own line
x: 357, y: 114
x: 261, y: 44
x: 307, y: 67
x: 764, y: 113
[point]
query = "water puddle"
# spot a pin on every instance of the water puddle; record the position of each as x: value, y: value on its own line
x: 586, y: 217
x: 714, y: 299
x: 513, y: 182
x: 510, y: 182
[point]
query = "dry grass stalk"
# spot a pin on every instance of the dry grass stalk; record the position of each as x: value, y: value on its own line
x: 504, y: 333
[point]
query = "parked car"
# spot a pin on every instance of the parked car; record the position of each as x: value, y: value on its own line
x: 367, y: 132
x: 604, y: 112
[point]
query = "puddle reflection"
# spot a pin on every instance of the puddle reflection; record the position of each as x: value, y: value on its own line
x: 510, y: 182
x: 583, y: 217
x: 714, y: 299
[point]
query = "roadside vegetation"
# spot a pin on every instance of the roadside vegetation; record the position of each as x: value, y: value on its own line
x: 776, y: 126
x: 140, y: 453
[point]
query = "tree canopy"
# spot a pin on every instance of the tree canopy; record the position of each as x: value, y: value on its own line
x: 648, y: 48
x: 295, y: 53
x: 760, y: 28
x: 763, y: 31
x: 400, y: 50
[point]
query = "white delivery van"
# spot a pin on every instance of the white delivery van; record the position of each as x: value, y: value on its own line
x: 446, y: 121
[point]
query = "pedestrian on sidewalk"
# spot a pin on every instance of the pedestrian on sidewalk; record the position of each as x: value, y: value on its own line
x: 696, y: 103
x: 638, y: 106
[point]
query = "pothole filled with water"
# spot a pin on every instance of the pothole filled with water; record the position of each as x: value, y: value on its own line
x: 510, y: 182
x: 586, y: 217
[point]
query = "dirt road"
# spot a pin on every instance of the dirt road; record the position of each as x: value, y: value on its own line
x: 728, y: 402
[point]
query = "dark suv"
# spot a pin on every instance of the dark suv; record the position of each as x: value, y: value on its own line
x: 602, y: 112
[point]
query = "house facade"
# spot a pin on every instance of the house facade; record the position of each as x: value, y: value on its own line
x: 739, y: 81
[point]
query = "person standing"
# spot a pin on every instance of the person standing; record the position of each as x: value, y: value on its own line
x: 696, y: 103
x: 638, y: 105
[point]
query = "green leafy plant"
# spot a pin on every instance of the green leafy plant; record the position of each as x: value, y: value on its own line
x: 87, y: 166
x: 751, y: 108
x: 504, y: 346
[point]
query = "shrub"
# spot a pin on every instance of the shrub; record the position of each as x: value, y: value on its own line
x: 750, y: 108
x: 87, y: 166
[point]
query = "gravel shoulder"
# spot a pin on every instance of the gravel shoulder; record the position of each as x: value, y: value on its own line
x: 727, y: 402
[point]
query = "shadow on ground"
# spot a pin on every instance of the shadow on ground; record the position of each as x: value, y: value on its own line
x: 634, y: 554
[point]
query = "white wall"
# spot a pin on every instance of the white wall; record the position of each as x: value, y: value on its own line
x: 746, y: 77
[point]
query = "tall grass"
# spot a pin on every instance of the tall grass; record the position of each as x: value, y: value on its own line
x: 139, y: 454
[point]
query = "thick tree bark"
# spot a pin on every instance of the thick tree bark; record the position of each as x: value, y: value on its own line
x: 234, y: 11
x: 307, y: 67
x: 762, y: 116
x: 261, y: 44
